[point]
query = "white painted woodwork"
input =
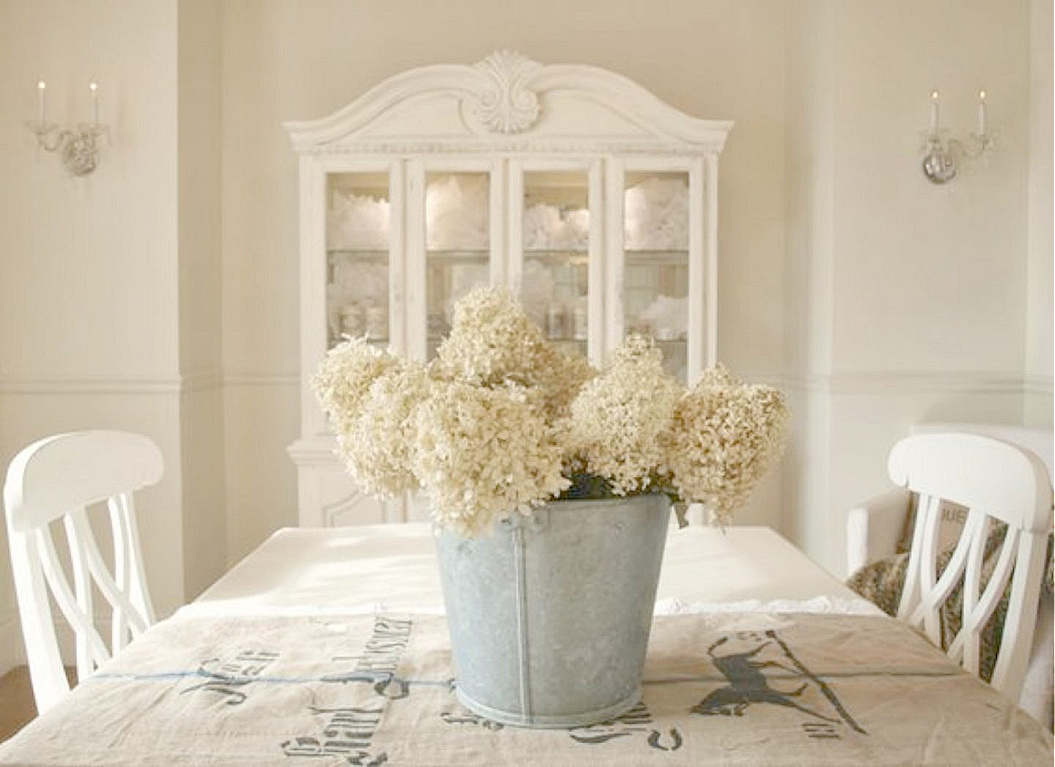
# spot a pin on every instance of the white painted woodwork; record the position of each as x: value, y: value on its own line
x: 59, y: 477
x: 614, y: 204
x: 505, y: 115
x: 994, y: 480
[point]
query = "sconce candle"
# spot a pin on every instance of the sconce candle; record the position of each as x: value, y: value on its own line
x: 983, y: 123
x: 933, y: 111
x: 76, y: 144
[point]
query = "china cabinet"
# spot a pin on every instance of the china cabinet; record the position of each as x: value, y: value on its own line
x: 573, y: 186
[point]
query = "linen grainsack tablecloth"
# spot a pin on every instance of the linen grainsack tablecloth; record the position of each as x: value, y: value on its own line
x: 723, y: 688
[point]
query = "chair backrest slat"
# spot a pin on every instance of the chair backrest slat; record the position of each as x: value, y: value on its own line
x: 966, y: 644
x: 59, y: 478
x: 1025, y: 594
x: 934, y: 590
x: 910, y: 594
x: 118, y: 620
x: 38, y: 629
x: 137, y: 577
x: 95, y: 651
x: 83, y: 588
x: 994, y: 480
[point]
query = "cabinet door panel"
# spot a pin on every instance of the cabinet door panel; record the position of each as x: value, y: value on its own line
x: 457, y: 245
x: 555, y: 250
x: 656, y: 265
x: 358, y: 263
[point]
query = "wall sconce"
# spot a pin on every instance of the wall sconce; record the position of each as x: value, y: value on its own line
x: 941, y: 156
x: 77, y: 145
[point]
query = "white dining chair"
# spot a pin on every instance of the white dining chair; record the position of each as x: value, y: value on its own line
x: 994, y: 480
x: 60, y: 477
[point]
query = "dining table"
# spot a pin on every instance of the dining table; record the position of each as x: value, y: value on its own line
x: 328, y: 646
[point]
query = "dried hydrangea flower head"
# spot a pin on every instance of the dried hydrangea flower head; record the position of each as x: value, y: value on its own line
x: 724, y: 436
x: 482, y: 454
x: 343, y: 379
x: 617, y: 418
x: 377, y: 447
x: 369, y: 395
x: 493, y: 341
x: 478, y: 430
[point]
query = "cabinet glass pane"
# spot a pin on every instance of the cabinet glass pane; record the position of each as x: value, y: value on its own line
x: 357, y: 227
x: 656, y: 269
x: 457, y: 242
x: 556, y: 239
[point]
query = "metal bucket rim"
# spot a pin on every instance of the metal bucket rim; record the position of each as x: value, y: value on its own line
x: 572, y: 505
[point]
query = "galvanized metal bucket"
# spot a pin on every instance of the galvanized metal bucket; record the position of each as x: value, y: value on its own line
x: 549, y: 617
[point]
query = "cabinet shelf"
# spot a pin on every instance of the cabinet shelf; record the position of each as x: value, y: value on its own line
x: 357, y: 255
x: 659, y: 257
x: 376, y: 341
x: 558, y: 257
x: 646, y: 258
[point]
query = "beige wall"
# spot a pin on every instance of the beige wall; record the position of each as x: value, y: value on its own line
x: 109, y: 315
x: 809, y: 254
x: 926, y: 284
x: 204, y: 524
x: 1040, y: 277
x: 88, y: 322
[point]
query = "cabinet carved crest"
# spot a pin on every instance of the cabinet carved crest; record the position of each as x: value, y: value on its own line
x: 506, y: 103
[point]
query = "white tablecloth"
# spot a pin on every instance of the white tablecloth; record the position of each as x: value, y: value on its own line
x: 302, y: 571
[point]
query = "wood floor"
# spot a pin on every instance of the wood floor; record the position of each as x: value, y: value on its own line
x: 16, y: 700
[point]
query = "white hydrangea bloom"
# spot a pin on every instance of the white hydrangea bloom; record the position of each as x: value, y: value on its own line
x: 377, y: 445
x: 617, y: 418
x: 724, y: 436
x: 493, y: 341
x: 482, y: 454
x: 487, y: 429
x: 345, y: 376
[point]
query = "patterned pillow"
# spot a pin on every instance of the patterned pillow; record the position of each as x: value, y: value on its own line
x: 881, y: 582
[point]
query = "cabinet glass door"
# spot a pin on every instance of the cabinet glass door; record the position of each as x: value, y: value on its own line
x: 555, y: 239
x: 358, y: 215
x: 457, y: 245
x: 656, y: 262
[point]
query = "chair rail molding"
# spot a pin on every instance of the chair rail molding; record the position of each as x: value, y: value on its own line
x: 868, y: 382
x: 102, y: 385
x: 78, y: 384
x: 1034, y: 383
x: 251, y: 379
